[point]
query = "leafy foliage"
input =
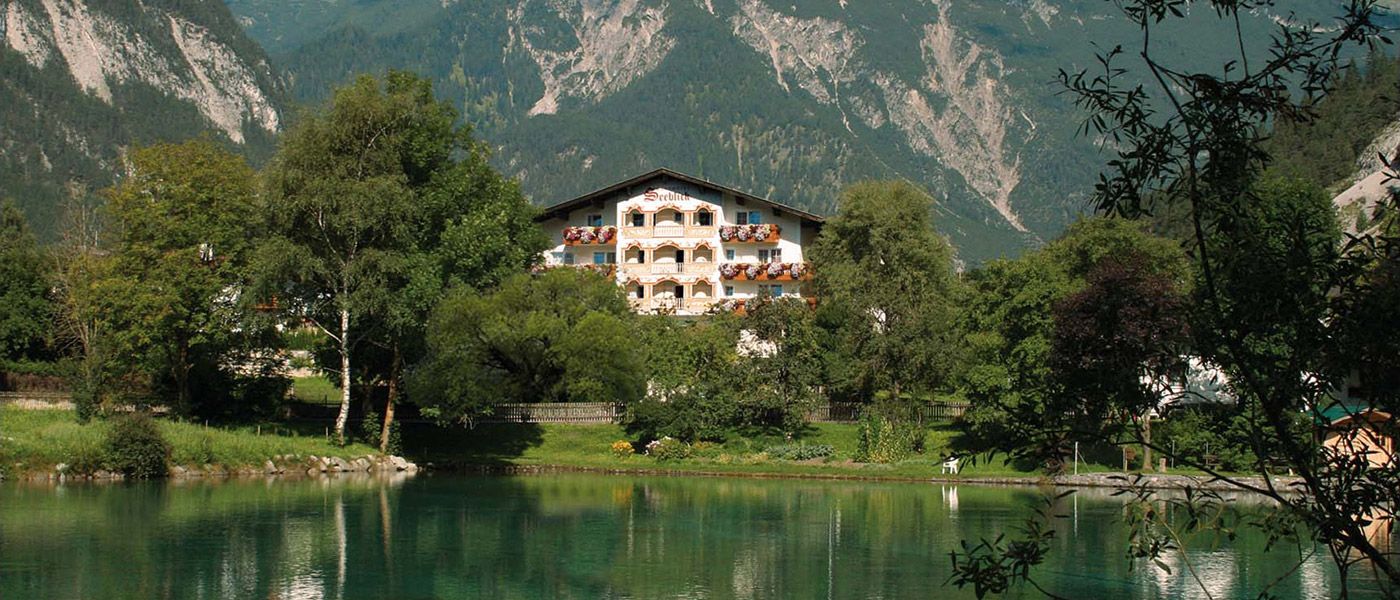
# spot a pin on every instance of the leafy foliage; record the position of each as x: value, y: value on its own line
x: 564, y: 335
x: 136, y: 448
x: 25, y: 306
x: 800, y: 451
x: 184, y: 222
x: 884, y: 269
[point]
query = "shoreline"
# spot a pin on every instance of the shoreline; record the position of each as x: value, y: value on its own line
x: 1103, y: 480
x: 1154, y: 481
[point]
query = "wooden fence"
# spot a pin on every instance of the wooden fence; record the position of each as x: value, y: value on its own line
x: 44, y: 397
x: 849, y: 412
x: 603, y: 412
x: 563, y: 412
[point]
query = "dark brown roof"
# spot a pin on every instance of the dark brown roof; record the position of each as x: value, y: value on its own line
x: 563, y: 208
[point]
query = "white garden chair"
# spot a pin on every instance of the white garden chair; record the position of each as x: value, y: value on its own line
x: 950, y: 465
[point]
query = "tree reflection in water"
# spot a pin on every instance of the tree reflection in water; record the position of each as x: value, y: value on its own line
x: 569, y: 536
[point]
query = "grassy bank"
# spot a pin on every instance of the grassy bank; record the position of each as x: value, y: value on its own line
x: 34, y: 441
x: 37, y: 440
x: 589, y: 447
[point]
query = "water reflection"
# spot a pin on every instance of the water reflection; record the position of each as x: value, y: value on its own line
x: 574, y: 536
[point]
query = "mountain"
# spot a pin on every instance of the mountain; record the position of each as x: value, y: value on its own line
x: 82, y: 80
x: 788, y: 99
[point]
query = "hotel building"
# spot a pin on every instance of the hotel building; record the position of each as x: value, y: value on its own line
x: 682, y: 245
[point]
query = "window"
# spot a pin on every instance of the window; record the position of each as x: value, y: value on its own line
x: 640, y: 291
x: 600, y: 258
x: 568, y: 258
x: 728, y: 290
x: 639, y: 220
x: 704, y: 218
x: 776, y: 290
x: 680, y: 256
x: 763, y: 256
x: 680, y: 291
x: 755, y: 217
x: 765, y: 289
x: 595, y: 220
x: 773, y: 255
x: 558, y: 258
x: 729, y: 255
x: 742, y: 218
x: 612, y: 258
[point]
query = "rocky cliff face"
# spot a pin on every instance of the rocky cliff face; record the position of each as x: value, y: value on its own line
x: 790, y: 99
x: 92, y: 77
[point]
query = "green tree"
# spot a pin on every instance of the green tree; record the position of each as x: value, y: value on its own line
x: 882, y: 266
x: 1193, y: 142
x: 183, y: 221
x: 1126, y: 326
x: 343, y: 195
x: 472, y: 228
x: 693, y: 379
x: 785, y: 371
x: 83, y: 295
x: 26, y: 311
x: 1007, y: 324
x: 563, y: 335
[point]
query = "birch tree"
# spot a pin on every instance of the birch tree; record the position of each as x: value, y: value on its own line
x: 343, y: 195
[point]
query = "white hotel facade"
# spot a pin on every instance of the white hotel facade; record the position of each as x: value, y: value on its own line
x: 682, y: 245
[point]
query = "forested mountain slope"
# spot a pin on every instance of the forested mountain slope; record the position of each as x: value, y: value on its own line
x: 82, y: 80
x: 788, y: 99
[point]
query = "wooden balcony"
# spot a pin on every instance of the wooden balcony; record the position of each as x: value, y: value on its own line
x: 668, y: 231
x: 701, y: 231
x: 765, y: 271
x: 667, y: 268
x: 768, y: 233
x: 589, y: 236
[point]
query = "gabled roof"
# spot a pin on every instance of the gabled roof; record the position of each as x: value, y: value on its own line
x: 563, y: 208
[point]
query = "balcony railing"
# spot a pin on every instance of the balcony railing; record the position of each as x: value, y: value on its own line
x: 636, y: 232
x: 758, y: 234
x: 690, y: 306
x: 668, y: 231
x: 701, y: 231
x: 776, y: 271
x: 689, y: 268
x: 587, y: 236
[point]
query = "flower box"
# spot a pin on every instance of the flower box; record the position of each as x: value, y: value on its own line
x: 588, y: 236
x: 775, y: 271
x: 759, y: 234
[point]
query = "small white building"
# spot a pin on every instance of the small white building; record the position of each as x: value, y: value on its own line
x: 681, y: 245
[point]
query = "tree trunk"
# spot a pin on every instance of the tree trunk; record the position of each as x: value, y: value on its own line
x: 394, y: 366
x: 182, y: 378
x: 1147, y: 442
x: 344, y: 415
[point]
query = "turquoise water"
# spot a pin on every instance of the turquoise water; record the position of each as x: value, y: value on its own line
x: 579, y: 536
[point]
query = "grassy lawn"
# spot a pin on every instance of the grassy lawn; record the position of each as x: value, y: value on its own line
x: 315, y: 390
x: 35, y: 440
x: 589, y: 446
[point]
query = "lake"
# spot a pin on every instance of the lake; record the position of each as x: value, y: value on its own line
x: 579, y: 536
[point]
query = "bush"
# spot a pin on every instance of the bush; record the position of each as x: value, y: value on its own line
x: 622, y: 449
x: 1203, y: 433
x: 668, y: 449
x: 136, y: 448
x: 687, y: 415
x: 372, y: 426
x: 885, y: 439
x: 800, y: 451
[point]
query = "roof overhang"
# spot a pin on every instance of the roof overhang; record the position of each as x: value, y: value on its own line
x: 562, y: 209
